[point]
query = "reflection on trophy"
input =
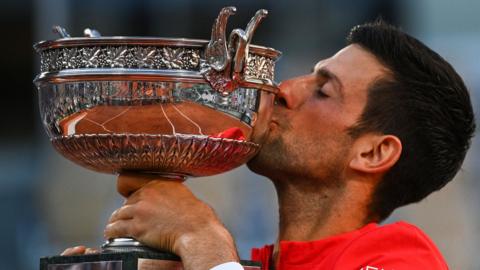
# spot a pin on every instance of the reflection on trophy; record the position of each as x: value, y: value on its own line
x: 171, y: 107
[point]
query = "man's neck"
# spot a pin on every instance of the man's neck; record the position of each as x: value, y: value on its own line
x: 308, y: 213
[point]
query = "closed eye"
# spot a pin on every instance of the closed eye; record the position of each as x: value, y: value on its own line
x: 320, y: 93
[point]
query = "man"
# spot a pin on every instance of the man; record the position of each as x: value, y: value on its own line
x: 381, y: 124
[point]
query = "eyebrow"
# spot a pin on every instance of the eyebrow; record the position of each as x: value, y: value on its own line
x: 329, y: 75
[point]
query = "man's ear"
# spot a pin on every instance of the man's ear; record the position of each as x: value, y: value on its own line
x: 375, y: 153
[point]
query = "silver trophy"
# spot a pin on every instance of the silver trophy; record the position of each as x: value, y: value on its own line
x: 166, y: 106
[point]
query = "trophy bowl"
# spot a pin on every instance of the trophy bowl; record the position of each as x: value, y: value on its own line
x: 170, y: 106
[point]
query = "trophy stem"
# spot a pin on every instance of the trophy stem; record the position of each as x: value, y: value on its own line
x: 167, y: 176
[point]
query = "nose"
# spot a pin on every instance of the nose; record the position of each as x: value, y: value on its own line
x: 293, y: 93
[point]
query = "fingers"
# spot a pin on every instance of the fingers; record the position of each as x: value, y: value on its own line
x: 124, y: 212
x: 157, y: 189
x: 119, y: 228
x: 79, y: 250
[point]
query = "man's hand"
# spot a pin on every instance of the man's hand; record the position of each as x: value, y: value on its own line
x: 164, y: 214
x: 79, y: 250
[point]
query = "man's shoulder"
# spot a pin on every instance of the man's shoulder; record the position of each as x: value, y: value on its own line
x: 397, y: 246
x: 402, y: 232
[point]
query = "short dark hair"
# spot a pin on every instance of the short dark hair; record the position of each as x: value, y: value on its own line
x: 423, y: 102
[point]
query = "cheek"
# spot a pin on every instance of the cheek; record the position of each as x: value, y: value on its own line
x: 321, y: 117
x: 318, y: 133
x: 317, y: 153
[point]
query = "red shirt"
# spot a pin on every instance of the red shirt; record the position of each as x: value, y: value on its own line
x: 398, y: 246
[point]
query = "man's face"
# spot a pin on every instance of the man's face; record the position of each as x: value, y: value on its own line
x: 308, y: 137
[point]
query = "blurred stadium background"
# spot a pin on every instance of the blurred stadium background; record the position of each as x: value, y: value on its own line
x: 48, y: 203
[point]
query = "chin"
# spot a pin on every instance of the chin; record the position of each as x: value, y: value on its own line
x: 255, y: 165
x: 271, y: 158
x: 260, y: 165
x: 263, y: 164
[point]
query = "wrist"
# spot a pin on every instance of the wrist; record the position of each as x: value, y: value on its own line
x: 206, y: 248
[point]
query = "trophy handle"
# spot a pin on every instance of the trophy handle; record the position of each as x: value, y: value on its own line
x: 239, y: 45
x: 217, y: 67
x: 91, y: 33
x: 62, y: 32
x: 254, y: 22
x: 239, y: 41
x: 217, y: 55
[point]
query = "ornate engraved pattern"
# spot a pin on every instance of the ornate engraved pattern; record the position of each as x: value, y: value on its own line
x: 219, y: 80
x: 120, y: 57
x: 169, y: 58
x: 190, y: 155
x: 259, y: 67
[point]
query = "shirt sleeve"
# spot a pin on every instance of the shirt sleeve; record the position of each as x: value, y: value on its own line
x: 402, y: 249
x: 228, y: 266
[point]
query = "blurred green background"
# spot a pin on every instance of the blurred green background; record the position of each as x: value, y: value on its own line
x: 47, y: 203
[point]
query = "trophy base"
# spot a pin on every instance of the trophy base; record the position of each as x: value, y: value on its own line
x: 131, y: 260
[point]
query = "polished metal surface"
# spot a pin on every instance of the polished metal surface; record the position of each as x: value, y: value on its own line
x: 146, y: 107
x: 181, y: 107
x: 177, y: 155
x: 124, y: 244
